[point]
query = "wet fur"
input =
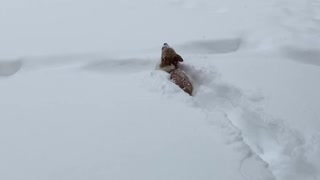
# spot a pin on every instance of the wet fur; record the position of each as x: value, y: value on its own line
x: 170, y: 63
x: 180, y: 78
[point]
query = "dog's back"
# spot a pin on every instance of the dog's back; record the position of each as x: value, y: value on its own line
x: 180, y: 78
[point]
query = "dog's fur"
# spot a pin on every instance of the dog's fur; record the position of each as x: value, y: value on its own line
x: 180, y: 78
x: 170, y: 63
x: 169, y: 57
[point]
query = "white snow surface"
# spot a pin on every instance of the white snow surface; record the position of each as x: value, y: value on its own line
x: 81, y: 97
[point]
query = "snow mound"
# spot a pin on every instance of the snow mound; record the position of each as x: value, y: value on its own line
x: 9, y: 67
x: 99, y: 125
x: 303, y: 55
x: 218, y: 46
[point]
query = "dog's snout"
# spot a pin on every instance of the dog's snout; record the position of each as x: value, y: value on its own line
x: 165, y: 45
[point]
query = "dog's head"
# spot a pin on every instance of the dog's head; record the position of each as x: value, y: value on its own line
x: 165, y: 46
x: 169, y: 58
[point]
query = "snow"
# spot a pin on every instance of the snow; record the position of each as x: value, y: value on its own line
x: 82, y: 98
x: 109, y: 126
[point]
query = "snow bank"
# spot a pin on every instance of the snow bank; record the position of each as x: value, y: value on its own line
x: 9, y: 67
x: 70, y: 123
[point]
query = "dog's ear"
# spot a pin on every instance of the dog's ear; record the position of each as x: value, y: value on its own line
x: 178, y: 58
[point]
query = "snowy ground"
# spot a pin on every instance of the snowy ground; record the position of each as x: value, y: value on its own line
x: 81, y: 98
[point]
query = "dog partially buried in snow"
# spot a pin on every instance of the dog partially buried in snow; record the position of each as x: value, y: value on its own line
x: 170, y: 63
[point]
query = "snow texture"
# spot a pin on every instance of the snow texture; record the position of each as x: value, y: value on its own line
x: 82, y: 96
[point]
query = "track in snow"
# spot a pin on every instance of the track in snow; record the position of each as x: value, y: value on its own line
x: 247, y: 127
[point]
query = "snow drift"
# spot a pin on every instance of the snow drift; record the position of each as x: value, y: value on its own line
x: 81, y: 98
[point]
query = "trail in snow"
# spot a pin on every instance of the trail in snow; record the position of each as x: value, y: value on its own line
x: 92, y: 125
x: 282, y: 148
x: 288, y: 152
x: 244, y: 122
x: 271, y: 45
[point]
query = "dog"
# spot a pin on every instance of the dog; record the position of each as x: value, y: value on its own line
x: 169, y: 57
x: 180, y: 78
x: 170, y: 63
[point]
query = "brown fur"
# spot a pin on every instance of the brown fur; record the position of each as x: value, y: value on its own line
x: 170, y: 63
x: 169, y: 56
x: 181, y: 79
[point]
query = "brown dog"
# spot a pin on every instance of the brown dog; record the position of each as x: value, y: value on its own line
x: 180, y: 78
x: 170, y: 63
x: 169, y: 57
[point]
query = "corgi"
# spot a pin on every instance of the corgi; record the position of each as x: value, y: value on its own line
x: 169, y: 58
x: 170, y: 63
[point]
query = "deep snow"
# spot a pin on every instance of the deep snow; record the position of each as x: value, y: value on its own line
x: 81, y: 97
